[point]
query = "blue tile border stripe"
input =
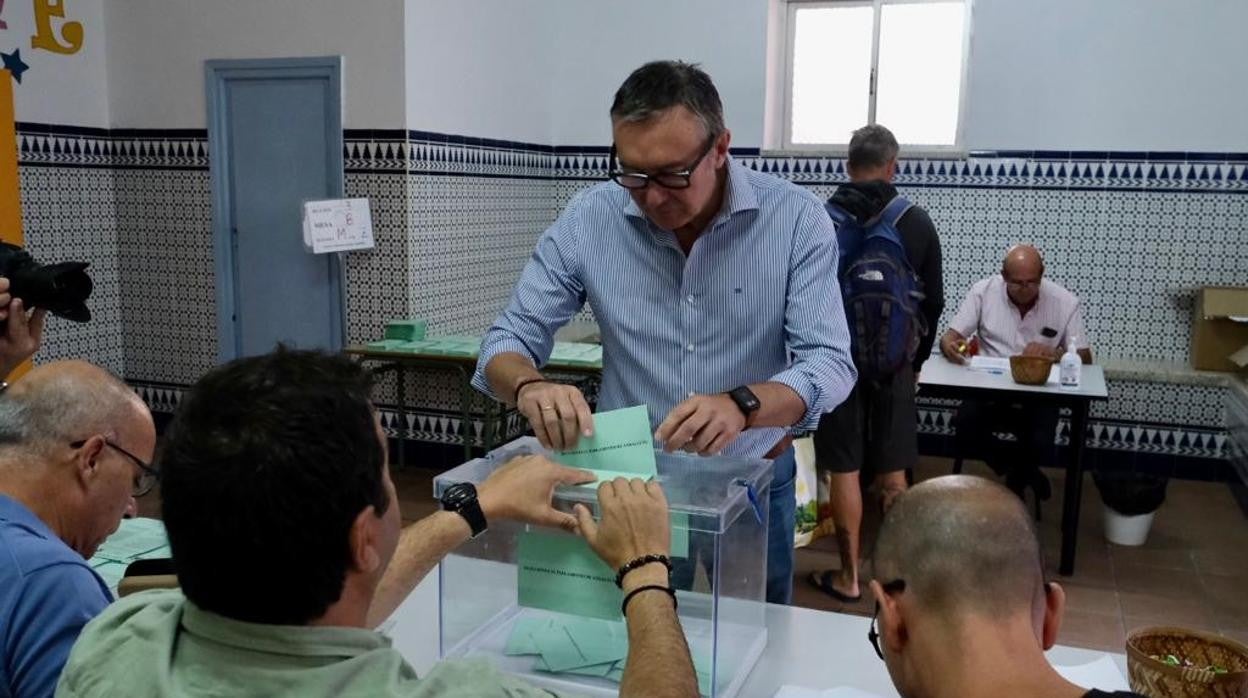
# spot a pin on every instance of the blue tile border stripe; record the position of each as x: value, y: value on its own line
x: 400, y: 151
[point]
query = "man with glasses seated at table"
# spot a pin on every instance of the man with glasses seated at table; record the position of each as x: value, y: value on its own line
x: 75, y: 443
x: 962, y: 607
x: 714, y: 287
x: 1015, y: 312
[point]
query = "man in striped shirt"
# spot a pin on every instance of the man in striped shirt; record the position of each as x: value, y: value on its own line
x: 1015, y: 312
x: 714, y: 288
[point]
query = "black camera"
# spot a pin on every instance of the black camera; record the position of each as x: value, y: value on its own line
x: 62, y: 289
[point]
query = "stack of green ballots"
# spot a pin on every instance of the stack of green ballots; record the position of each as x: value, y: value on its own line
x: 406, y: 330
x: 135, y: 539
x: 576, y: 354
x: 448, y: 345
x: 566, y: 644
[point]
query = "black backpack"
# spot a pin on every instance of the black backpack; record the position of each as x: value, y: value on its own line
x: 880, y: 290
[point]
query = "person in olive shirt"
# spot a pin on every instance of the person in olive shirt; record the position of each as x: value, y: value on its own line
x: 962, y: 606
x: 285, y: 530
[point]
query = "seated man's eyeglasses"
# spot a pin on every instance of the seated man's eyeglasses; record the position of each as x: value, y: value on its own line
x: 894, y: 587
x: 144, y: 480
x: 668, y: 180
x: 1035, y: 283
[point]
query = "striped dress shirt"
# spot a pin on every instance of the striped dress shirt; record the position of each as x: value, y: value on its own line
x: 1003, y: 331
x: 756, y: 300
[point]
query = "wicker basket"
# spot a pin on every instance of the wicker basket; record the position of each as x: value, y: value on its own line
x: 1157, y: 679
x: 1030, y: 370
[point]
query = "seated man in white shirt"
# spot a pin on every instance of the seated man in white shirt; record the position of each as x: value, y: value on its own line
x: 1015, y: 312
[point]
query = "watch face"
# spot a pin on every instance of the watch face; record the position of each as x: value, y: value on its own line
x: 456, y: 495
x: 745, y: 399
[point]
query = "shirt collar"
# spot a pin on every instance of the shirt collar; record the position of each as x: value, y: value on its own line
x: 738, y: 194
x: 291, y: 640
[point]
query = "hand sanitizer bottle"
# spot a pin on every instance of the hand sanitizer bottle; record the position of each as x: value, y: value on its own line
x: 1070, y: 365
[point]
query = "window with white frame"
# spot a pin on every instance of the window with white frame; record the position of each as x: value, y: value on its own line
x: 900, y: 63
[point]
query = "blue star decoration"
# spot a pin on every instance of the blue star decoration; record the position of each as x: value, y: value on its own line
x: 13, y: 62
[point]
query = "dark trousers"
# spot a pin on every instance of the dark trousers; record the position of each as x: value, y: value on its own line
x: 1034, y: 429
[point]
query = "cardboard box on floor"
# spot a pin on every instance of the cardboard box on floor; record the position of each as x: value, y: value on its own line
x: 1220, y: 328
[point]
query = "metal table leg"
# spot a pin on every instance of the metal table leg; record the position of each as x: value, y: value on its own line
x: 1074, y: 486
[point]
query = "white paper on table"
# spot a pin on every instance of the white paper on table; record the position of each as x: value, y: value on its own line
x: 838, y: 692
x: 1102, y: 674
x: 990, y: 364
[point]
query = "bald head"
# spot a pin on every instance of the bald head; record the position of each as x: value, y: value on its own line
x: 1023, y: 261
x: 64, y: 401
x: 963, y: 545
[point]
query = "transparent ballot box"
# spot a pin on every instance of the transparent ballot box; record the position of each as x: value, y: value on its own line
x: 540, y: 605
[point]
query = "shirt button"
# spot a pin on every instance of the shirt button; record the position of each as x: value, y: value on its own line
x: 689, y: 347
x: 689, y: 298
x: 690, y: 394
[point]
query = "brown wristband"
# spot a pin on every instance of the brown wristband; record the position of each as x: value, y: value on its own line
x: 527, y: 381
x: 649, y: 587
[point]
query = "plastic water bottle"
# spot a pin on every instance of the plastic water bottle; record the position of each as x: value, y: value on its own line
x: 1070, y: 365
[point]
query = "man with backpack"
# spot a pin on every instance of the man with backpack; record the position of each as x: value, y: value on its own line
x: 890, y: 275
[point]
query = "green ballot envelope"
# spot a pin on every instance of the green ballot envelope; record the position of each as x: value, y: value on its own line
x: 540, y: 604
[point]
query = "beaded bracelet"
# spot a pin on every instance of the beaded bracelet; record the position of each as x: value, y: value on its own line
x: 655, y: 587
x: 639, y: 562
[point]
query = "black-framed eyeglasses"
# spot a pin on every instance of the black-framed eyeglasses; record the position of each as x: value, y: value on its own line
x: 147, y: 476
x: 668, y: 180
x: 873, y: 636
x: 1035, y: 283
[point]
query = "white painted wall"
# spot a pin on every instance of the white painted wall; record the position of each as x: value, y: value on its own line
x: 599, y: 42
x: 68, y: 89
x: 482, y: 67
x: 157, y: 50
x: 546, y: 70
x: 1109, y: 75
x: 1060, y: 74
x: 1057, y: 74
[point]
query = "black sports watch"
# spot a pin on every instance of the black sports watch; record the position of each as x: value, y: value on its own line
x: 746, y: 400
x: 462, y: 499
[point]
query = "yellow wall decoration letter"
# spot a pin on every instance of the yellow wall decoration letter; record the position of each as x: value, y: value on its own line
x: 45, y: 37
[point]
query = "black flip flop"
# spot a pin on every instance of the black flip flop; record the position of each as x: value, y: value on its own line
x: 823, y: 582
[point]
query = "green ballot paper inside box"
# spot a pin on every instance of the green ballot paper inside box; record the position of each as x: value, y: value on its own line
x: 541, y: 605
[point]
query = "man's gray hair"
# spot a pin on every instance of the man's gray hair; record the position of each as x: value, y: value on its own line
x: 660, y: 85
x: 63, y: 408
x: 872, y: 146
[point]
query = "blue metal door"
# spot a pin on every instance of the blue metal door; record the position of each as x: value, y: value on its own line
x: 275, y: 141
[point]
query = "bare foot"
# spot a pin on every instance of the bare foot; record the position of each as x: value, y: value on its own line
x: 846, y: 582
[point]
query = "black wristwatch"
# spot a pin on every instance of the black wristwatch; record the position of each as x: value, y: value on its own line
x: 462, y: 499
x: 746, y: 401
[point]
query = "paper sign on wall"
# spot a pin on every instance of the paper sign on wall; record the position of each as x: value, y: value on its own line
x: 337, y: 225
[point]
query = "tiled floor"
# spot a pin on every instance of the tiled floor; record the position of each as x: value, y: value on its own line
x: 1192, y: 572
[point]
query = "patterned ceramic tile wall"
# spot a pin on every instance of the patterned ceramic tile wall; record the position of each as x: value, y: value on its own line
x: 168, y: 274
x: 68, y: 214
x: 1131, y: 233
